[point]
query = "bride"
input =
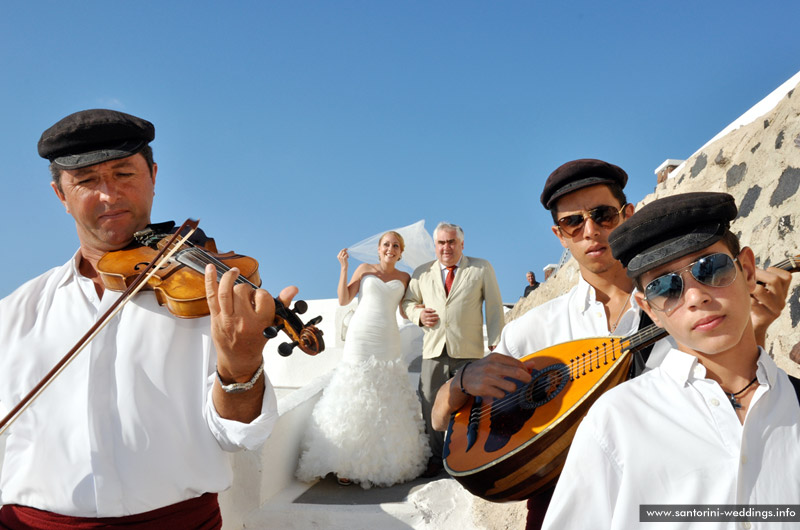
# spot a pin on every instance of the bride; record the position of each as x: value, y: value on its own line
x: 367, y: 426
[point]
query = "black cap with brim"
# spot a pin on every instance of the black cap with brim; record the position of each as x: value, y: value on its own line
x: 93, y: 136
x: 578, y: 174
x: 670, y: 228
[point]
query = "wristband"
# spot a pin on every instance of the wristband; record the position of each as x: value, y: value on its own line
x: 238, y: 388
x: 461, y: 379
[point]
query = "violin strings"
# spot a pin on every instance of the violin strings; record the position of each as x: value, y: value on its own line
x: 204, y: 257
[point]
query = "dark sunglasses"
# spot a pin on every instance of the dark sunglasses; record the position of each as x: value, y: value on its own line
x: 665, y: 292
x: 605, y: 216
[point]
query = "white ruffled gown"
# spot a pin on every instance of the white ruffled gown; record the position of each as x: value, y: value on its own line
x: 367, y: 425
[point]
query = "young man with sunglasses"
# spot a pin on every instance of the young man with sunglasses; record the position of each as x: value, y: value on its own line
x: 587, y: 202
x: 717, y: 423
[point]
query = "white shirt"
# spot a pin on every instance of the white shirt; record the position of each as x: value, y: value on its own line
x: 670, y: 436
x: 444, y: 270
x: 129, y: 426
x: 574, y: 315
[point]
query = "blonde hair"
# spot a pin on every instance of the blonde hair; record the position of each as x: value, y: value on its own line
x: 398, y: 236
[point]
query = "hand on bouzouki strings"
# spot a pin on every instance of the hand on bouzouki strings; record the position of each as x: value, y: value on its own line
x: 484, y: 377
x: 488, y: 377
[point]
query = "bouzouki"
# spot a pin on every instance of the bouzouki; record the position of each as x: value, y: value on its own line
x: 509, y: 448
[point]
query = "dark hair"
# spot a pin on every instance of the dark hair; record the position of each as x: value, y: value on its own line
x: 730, y: 240
x: 146, y: 152
x: 613, y: 187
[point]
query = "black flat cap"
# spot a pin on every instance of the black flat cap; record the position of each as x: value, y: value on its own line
x: 92, y: 136
x: 579, y: 174
x: 670, y: 228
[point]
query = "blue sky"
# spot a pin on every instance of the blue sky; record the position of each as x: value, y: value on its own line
x: 293, y: 129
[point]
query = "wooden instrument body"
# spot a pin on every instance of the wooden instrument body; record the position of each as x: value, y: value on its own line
x: 179, y: 283
x: 515, y: 451
x: 175, y: 285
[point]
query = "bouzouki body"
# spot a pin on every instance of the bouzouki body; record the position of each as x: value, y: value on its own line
x: 509, y: 448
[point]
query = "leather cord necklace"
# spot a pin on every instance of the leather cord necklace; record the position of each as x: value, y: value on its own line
x: 732, y: 395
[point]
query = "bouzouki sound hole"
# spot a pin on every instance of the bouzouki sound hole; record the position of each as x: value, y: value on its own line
x: 545, y: 385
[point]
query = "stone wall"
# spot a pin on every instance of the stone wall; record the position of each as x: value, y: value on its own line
x: 759, y: 164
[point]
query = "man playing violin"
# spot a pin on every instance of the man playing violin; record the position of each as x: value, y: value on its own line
x: 717, y: 422
x: 136, y: 430
x: 586, y: 200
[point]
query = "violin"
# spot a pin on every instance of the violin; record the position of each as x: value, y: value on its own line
x: 179, y: 283
x: 174, y: 267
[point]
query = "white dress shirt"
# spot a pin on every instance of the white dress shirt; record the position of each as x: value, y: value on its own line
x: 574, y: 315
x: 444, y: 270
x: 671, y: 436
x: 129, y: 426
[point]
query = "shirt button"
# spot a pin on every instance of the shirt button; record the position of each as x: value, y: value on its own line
x: 744, y: 459
x: 746, y: 525
x: 715, y: 402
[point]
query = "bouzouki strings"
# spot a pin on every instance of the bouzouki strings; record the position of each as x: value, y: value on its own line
x: 518, y: 396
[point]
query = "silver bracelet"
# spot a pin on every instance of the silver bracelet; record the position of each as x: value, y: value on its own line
x: 238, y: 388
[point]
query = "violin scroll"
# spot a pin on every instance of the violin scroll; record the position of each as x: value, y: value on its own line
x: 307, y: 336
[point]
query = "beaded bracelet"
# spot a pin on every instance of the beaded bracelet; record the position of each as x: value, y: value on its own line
x: 461, y: 379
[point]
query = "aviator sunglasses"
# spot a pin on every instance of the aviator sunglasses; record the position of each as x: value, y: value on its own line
x: 665, y: 292
x: 605, y: 216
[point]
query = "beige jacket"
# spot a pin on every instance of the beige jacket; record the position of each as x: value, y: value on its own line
x: 460, y: 323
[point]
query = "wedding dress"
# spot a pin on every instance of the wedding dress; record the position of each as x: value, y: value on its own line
x: 367, y: 425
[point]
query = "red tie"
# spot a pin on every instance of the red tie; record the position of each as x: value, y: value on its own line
x: 448, y: 281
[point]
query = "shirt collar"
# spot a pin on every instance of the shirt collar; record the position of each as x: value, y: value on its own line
x: 71, y: 272
x: 585, y: 293
x: 767, y: 369
x: 442, y: 266
x: 683, y: 367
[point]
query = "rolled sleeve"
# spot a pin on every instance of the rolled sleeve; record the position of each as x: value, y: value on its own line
x: 233, y: 435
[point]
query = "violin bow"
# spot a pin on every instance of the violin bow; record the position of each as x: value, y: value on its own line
x: 164, y: 255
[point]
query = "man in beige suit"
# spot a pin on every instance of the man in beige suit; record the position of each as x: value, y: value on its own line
x: 446, y: 298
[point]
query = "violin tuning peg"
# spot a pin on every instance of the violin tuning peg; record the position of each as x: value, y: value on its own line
x: 285, y: 349
x: 300, y: 307
x: 314, y: 321
x: 272, y: 331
